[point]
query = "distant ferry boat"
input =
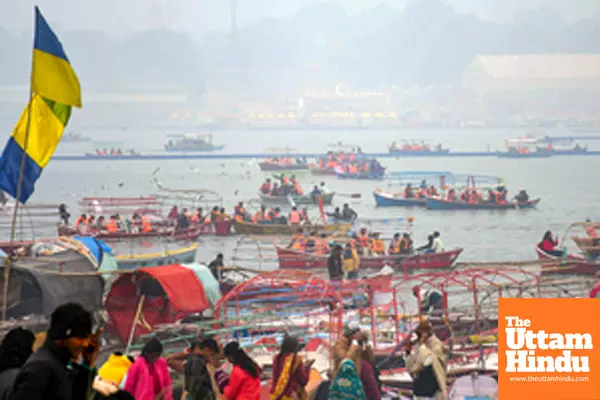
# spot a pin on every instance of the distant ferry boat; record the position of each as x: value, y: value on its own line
x: 74, y: 137
x: 191, y: 142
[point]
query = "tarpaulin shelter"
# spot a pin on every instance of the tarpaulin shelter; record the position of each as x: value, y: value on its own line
x: 37, y: 285
x: 210, y: 284
x: 167, y: 294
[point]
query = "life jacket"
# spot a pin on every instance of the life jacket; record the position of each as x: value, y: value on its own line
x: 146, y: 224
x: 285, y: 181
x: 377, y: 246
x: 352, y: 243
x: 401, y: 244
x: 363, y: 239
x: 259, y: 216
x: 265, y: 188
x: 295, y: 217
x: 298, y: 241
x: 80, y: 221
x: 352, y: 169
x: 195, y: 218
x: 298, y: 188
x: 331, y: 164
x: 321, y: 163
x: 321, y: 246
x: 111, y: 226
x: 352, y: 157
x: 591, y: 231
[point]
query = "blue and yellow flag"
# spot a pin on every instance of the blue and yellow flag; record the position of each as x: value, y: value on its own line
x: 55, y: 89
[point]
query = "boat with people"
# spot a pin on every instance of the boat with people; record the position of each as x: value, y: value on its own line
x: 571, y: 264
x: 385, y: 199
x: 111, y: 150
x: 251, y: 228
x: 442, y: 204
x: 338, y: 154
x: 412, y: 148
x: 295, y: 259
x: 280, y: 164
x: 191, y: 142
x: 71, y: 137
x: 296, y: 199
x: 526, y: 147
x: 588, y: 245
x: 361, y: 170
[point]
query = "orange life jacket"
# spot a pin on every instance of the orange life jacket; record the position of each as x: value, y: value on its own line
x: 377, y: 246
x: 321, y: 164
x: 80, y: 221
x: 285, y: 181
x: 111, y: 226
x: 258, y: 216
x: 146, y: 224
x: 298, y: 188
x: 295, y: 217
x: 363, y: 239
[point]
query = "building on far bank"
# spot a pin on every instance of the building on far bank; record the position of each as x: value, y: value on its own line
x: 545, y: 85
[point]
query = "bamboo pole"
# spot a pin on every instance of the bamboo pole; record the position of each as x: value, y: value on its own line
x: 135, y: 321
x: 7, y: 264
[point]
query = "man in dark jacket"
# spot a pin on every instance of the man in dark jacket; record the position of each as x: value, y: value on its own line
x: 215, y: 265
x: 334, y: 264
x: 53, y: 373
x: 197, y: 383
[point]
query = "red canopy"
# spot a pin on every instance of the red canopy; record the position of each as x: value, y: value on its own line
x: 171, y: 293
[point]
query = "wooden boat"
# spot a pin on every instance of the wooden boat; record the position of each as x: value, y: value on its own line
x: 247, y: 228
x: 383, y: 199
x: 300, y: 260
x: 191, y: 233
x: 183, y: 255
x: 273, y: 166
x: 590, y: 246
x: 191, y: 142
x: 572, y: 264
x: 305, y: 199
x: 440, y: 204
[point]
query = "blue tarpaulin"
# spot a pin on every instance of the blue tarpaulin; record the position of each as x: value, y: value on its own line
x: 95, y: 246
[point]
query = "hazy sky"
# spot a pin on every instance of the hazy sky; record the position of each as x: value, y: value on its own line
x: 199, y: 16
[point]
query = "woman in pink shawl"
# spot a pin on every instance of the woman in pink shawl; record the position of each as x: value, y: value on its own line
x: 148, y: 378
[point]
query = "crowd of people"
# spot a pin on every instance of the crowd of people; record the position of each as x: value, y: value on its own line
x: 61, y: 364
x: 414, y: 146
x: 290, y: 187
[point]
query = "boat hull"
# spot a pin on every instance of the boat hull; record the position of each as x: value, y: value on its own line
x: 361, y: 176
x: 220, y: 228
x: 283, y: 200
x: 439, y: 204
x: 247, y: 228
x: 571, y: 265
x: 184, y: 255
x: 322, y: 171
x: 535, y: 154
x: 301, y: 260
x: 273, y: 167
x: 388, y: 200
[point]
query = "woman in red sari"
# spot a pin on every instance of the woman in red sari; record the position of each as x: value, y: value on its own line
x: 290, y: 372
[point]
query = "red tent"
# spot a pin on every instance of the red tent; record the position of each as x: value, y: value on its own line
x: 171, y: 293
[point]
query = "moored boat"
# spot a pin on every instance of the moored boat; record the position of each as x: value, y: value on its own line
x: 191, y: 233
x: 300, y: 260
x: 183, y: 255
x: 440, y: 204
x: 304, y: 199
x: 572, y: 264
x: 246, y: 228
x: 383, y: 199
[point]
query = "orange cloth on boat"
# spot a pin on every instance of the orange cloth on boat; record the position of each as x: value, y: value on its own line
x: 295, y: 217
x: 146, y: 224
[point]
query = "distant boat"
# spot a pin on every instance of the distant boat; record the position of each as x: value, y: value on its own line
x: 191, y: 142
x: 417, y: 150
x: 71, y: 137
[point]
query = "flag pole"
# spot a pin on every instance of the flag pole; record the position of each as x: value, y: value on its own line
x: 13, y: 228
